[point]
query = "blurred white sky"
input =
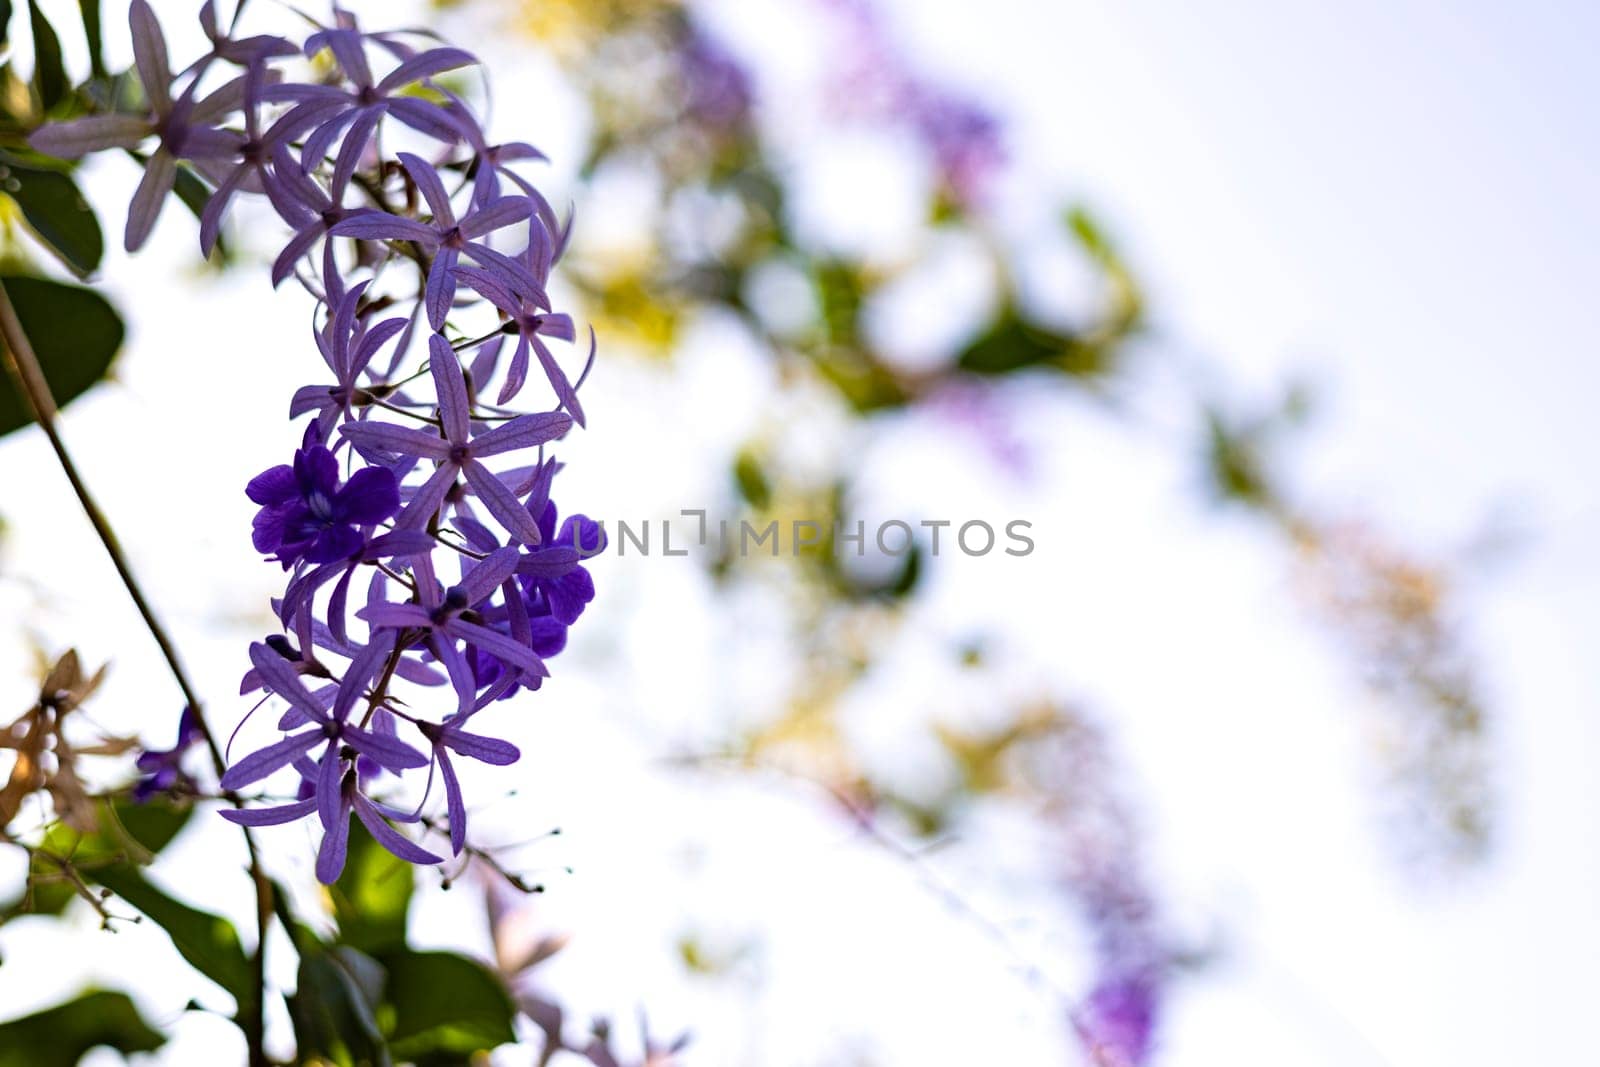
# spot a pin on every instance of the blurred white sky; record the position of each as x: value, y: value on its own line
x: 1395, y: 197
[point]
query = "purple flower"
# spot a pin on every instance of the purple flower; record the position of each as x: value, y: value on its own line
x: 348, y: 345
x: 307, y: 515
x: 355, y: 111
x: 245, y: 52
x: 344, y: 507
x: 555, y: 573
x: 249, y: 168
x: 528, y: 319
x: 1118, y: 1019
x: 447, y: 737
x: 183, y: 126
x: 444, y: 620
x: 446, y: 238
x: 161, y: 770
x: 335, y: 790
x: 328, y: 726
x: 458, y: 452
x: 336, y: 821
x: 718, y: 90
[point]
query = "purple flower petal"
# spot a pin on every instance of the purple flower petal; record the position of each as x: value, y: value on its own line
x: 279, y: 676
x: 70, y: 140
x: 388, y: 837
x: 427, y: 65
x: 398, y: 439
x: 500, y: 647
x: 455, y: 808
x: 487, y: 749
x: 370, y: 224
x: 451, y: 387
x: 502, y: 503
x: 396, y: 616
x: 273, y: 816
x: 335, y: 846
x: 496, y: 215
x: 258, y: 765
x: 525, y: 431
x: 159, y: 175
x: 370, y: 496
x: 150, y: 56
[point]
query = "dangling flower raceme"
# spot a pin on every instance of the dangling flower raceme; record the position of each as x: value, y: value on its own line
x: 399, y: 449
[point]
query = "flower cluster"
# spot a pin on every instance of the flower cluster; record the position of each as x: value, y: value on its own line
x: 412, y: 472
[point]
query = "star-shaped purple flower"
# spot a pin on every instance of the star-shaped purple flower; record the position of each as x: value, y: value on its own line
x: 307, y: 515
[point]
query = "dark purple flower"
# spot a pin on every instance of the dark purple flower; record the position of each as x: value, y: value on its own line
x: 161, y: 770
x: 307, y: 515
x: 555, y: 572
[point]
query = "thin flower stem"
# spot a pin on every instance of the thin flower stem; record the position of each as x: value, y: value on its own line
x: 24, y: 367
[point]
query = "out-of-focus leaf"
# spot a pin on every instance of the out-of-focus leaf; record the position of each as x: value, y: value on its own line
x: 333, y: 1006
x: 129, y: 834
x: 90, y: 9
x: 1013, y: 344
x: 1236, y: 463
x: 55, y: 211
x: 208, y: 942
x: 60, y: 1036
x: 371, y: 896
x: 5, y: 21
x: 840, y: 293
x: 752, y: 480
x: 49, y: 74
x: 444, y: 1004
x: 74, y: 332
x: 1089, y: 234
x: 865, y: 384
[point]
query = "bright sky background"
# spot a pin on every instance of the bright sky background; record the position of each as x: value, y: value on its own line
x: 1396, y: 199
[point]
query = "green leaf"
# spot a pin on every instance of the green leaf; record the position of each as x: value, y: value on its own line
x: 90, y: 10
x: 371, y: 897
x: 5, y: 21
x: 60, y: 1036
x: 74, y: 332
x: 129, y: 834
x: 49, y: 74
x: 333, y: 1006
x: 209, y: 942
x: 56, y: 212
x: 1013, y: 344
x: 752, y: 480
x: 439, y: 1002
